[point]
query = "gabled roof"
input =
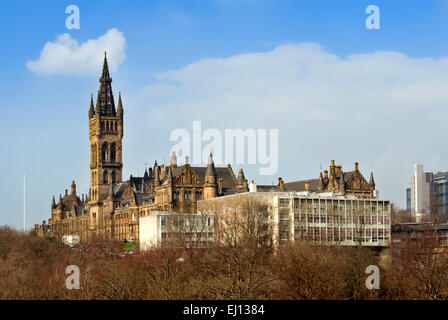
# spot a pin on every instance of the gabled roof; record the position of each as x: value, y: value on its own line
x: 224, y: 173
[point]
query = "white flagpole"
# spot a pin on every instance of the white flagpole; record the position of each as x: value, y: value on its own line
x: 24, y: 201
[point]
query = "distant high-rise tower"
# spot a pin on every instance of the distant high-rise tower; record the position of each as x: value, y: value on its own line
x: 427, y: 194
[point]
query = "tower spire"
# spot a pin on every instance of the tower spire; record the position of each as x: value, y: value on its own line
x: 210, y: 167
x: 105, y: 100
x: 105, y: 135
x: 105, y: 74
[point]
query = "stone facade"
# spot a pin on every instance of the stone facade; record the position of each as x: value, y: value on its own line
x: 334, y: 180
x: 113, y: 207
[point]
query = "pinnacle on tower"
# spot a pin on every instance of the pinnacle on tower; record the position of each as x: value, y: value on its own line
x: 53, y: 203
x: 372, y: 181
x: 91, y: 111
x: 241, y: 177
x: 321, y: 181
x: 170, y: 173
x: 156, y: 175
x: 146, y: 176
x: 98, y: 104
x: 105, y: 74
x: 60, y: 202
x: 120, y: 104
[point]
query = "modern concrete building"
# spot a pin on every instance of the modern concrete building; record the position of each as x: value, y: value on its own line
x: 428, y: 194
x: 322, y: 218
x: 334, y: 220
x: 163, y: 228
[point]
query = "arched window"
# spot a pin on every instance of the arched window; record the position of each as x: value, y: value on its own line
x: 104, y: 152
x: 112, y: 152
x: 107, y: 125
x: 93, y: 155
x: 114, y: 176
x: 105, y: 176
x: 102, y: 125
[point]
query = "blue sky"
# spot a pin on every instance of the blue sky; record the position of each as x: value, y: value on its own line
x: 43, y: 127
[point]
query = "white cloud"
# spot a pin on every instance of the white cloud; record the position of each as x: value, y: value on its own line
x: 383, y: 109
x: 67, y: 56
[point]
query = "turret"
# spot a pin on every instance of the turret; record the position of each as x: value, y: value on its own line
x: 210, y: 186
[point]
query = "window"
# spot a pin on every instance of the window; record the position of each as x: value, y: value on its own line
x: 105, y: 176
x: 112, y: 152
x: 114, y: 176
x: 104, y: 152
x: 93, y: 155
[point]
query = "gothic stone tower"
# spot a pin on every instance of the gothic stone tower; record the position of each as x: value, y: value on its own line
x: 105, y: 134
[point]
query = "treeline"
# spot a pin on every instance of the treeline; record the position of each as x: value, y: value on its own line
x: 33, y: 267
